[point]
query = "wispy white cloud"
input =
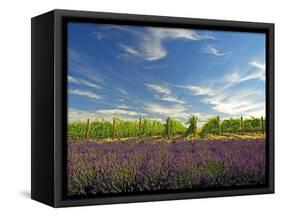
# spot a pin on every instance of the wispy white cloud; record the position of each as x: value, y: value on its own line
x: 159, y: 88
x: 74, y: 115
x: 97, y: 35
x: 129, y: 50
x: 246, y: 101
x: 163, y: 93
x: 88, y: 94
x: 124, y: 92
x: 151, y: 46
x: 222, y: 97
x: 176, y: 111
x: 74, y: 80
x: 82, y: 64
x: 257, y: 64
x: 118, y: 111
x: 214, y: 50
x: 123, y: 106
x: 198, y: 90
x: 255, y: 71
x: 105, y: 114
x: 170, y: 98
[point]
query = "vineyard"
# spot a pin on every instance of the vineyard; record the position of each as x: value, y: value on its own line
x: 147, y: 155
x: 144, y: 128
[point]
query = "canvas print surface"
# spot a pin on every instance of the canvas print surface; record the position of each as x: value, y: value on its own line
x: 163, y: 109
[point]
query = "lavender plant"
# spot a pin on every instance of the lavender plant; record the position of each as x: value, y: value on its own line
x: 149, y: 165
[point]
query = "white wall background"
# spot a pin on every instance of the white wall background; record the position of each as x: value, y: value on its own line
x: 15, y: 106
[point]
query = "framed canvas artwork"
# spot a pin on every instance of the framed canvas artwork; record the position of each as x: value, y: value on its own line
x: 133, y: 108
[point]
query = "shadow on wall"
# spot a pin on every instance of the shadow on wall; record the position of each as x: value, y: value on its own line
x: 25, y: 194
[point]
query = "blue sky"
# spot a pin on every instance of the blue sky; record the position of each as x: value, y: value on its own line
x: 132, y: 71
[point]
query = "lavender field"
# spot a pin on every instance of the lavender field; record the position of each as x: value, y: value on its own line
x: 161, y: 164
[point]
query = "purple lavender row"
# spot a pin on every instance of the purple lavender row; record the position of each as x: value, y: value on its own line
x: 149, y: 165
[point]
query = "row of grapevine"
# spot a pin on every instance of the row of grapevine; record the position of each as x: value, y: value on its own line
x: 100, y: 129
x: 139, y: 128
x: 173, y: 127
x: 233, y: 125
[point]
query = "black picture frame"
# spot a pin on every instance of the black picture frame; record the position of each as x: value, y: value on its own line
x: 49, y: 97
